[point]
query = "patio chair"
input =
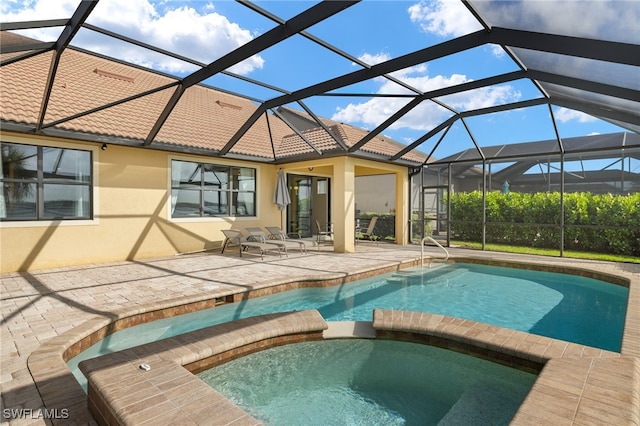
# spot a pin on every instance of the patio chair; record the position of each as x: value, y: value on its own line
x: 324, y: 235
x: 275, y: 233
x: 260, y: 235
x: 234, y: 236
x: 368, y: 234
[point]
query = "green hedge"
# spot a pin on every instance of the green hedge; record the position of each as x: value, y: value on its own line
x: 385, y: 226
x: 593, y: 222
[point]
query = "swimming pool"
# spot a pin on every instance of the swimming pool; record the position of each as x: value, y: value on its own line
x: 562, y: 306
x: 366, y: 382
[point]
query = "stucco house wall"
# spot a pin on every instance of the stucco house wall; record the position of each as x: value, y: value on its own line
x: 132, y: 202
x: 131, y: 195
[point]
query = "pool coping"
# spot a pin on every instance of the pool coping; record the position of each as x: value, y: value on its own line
x: 59, y: 389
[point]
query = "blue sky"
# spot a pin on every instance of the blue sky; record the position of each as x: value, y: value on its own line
x: 371, y: 31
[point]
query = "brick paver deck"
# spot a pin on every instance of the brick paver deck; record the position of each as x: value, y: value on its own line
x: 45, y: 313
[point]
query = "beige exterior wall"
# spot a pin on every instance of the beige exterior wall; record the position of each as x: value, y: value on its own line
x: 131, y: 213
x: 131, y: 200
x: 376, y: 193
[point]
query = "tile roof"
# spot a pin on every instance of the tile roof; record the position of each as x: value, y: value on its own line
x: 204, y: 118
x: 349, y: 135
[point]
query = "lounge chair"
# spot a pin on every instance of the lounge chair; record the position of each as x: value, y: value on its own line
x: 368, y: 234
x: 259, y: 235
x: 234, y: 236
x: 275, y: 233
x: 324, y: 235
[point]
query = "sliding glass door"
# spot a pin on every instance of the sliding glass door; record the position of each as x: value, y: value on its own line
x: 309, y: 203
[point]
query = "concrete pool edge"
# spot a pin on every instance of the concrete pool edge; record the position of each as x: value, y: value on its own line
x: 59, y: 389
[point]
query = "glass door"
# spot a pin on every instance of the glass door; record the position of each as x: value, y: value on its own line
x: 309, y: 203
x: 300, y: 209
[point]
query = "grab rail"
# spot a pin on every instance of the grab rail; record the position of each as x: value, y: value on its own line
x: 431, y: 239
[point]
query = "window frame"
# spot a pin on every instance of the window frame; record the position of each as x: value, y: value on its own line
x: 229, y: 189
x: 40, y: 183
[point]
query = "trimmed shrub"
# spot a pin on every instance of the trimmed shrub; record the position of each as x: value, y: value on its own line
x: 385, y: 226
x: 602, y: 223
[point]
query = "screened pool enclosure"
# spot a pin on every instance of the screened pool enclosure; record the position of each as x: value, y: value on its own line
x: 579, y: 193
x: 560, y: 190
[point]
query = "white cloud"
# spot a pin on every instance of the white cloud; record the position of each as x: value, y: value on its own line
x: 564, y: 115
x: 610, y: 20
x: 203, y: 36
x: 483, y: 97
x: 403, y: 74
x: 447, y: 18
x: 497, y: 51
x: 372, y: 59
x: 444, y: 17
x: 373, y: 112
x: 428, y: 114
x: 25, y: 10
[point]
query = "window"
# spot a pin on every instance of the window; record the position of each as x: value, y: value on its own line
x: 202, y: 189
x: 44, y: 183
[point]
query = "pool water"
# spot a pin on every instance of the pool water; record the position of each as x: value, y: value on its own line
x: 561, y: 306
x: 367, y: 382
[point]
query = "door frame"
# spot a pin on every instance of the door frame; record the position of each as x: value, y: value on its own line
x: 319, y: 203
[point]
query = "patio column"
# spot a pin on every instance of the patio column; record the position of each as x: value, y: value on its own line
x: 343, y: 205
x: 402, y: 207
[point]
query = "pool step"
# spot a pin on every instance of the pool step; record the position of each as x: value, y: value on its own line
x: 349, y: 329
x: 403, y: 276
x: 433, y: 275
x: 398, y: 280
x: 417, y: 270
x: 481, y: 404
